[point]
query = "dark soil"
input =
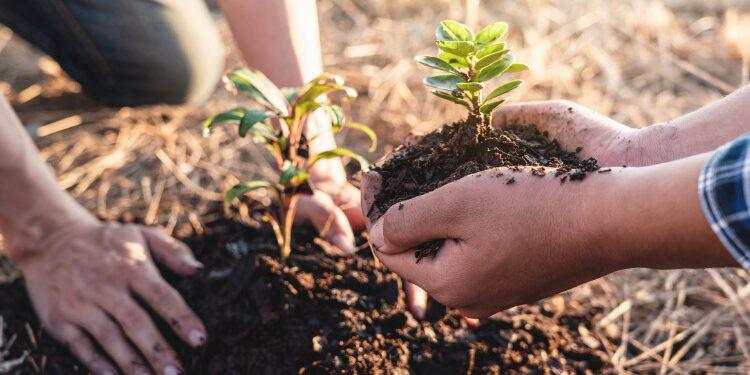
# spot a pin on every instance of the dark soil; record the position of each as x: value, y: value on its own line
x: 464, y: 148
x: 315, y: 313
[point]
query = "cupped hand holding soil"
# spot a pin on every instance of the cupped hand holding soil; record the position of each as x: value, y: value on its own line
x: 511, y: 244
x: 506, y: 244
x: 577, y: 127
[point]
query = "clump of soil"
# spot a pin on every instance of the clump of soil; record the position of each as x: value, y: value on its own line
x: 315, y: 313
x: 464, y: 148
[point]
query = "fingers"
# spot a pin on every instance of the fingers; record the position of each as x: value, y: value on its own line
x: 110, y: 338
x: 418, y: 220
x: 171, y: 307
x: 423, y: 274
x: 330, y: 221
x: 370, y: 186
x: 170, y: 252
x: 82, y: 347
x: 139, y: 328
x: 349, y: 200
x: 416, y: 300
x: 471, y: 322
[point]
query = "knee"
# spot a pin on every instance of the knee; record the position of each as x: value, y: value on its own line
x: 180, y: 63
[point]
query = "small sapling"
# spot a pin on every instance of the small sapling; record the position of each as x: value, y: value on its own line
x: 279, y: 125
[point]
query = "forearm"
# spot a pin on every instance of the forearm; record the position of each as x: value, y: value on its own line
x: 281, y: 39
x: 32, y: 205
x: 699, y: 131
x: 278, y: 37
x: 652, y: 217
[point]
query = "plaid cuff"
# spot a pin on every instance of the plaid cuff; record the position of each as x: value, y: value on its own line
x: 724, y: 188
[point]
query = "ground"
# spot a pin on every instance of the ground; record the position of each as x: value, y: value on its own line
x: 641, y: 62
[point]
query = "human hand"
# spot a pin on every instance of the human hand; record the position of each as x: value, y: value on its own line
x: 82, y: 280
x: 506, y: 244
x: 573, y: 125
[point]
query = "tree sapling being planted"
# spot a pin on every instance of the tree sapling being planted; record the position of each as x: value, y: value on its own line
x: 285, y: 139
x: 468, y: 62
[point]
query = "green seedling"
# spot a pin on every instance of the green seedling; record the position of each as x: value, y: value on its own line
x: 278, y: 124
x: 468, y: 61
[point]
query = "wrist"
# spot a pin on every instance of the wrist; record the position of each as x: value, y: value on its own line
x: 651, y: 217
x: 40, y: 227
x: 319, y: 134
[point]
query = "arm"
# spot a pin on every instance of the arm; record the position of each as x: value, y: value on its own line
x: 538, y: 237
x: 281, y: 39
x: 702, y: 130
x: 81, y: 273
x: 615, y: 144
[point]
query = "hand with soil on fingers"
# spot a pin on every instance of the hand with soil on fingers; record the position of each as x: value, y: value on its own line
x: 514, y: 244
x: 83, y: 275
x: 82, y: 281
x: 614, y: 144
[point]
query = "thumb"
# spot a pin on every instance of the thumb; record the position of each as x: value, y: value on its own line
x: 172, y: 253
x: 328, y: 219
x: 418, y: 220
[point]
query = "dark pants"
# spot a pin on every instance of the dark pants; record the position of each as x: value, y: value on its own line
x: 126, y: 52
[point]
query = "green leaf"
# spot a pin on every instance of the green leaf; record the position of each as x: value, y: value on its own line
x: 449, y: 97
x: 251, y: 118
x: 264, y: 87
x: 517, y: 67
x: 491, y: 33
x: 505, y: 88
x: 292, y: 174
x: 470, y: 86
x: 491, y: 58
x: 456, y: 47
x: 235, y: 84
x: 315, y: 91
x: 492, y: 48
x: 487, y: 108
x: 368, y: 132
x: 339, y: 152
x: 290, y: 93
x: 336, y: 114
x: 444, y: 82
x: 233, y: 116
x: 454, y: 60
x: 244, y: 188
x: 461, y: 31
x: 442, y: 33
x: 435, y: 63
x: 311, y: 98
x: 495, y: 69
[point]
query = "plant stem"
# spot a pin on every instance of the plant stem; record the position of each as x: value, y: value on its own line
x: 289, y: 212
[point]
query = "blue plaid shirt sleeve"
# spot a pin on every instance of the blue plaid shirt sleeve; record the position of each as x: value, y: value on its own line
x: 724, y: 188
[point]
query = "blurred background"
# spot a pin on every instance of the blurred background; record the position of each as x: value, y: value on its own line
x: 641, y: 62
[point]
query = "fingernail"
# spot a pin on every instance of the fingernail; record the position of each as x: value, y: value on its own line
x: 171, y: 370
x: 192, y: 262
x: 196, y: 337
x: 472, y: 323
x: 418, y: 312
x: 344, y: 243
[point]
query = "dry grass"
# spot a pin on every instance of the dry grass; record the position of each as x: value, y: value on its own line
x: 641, y: 62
